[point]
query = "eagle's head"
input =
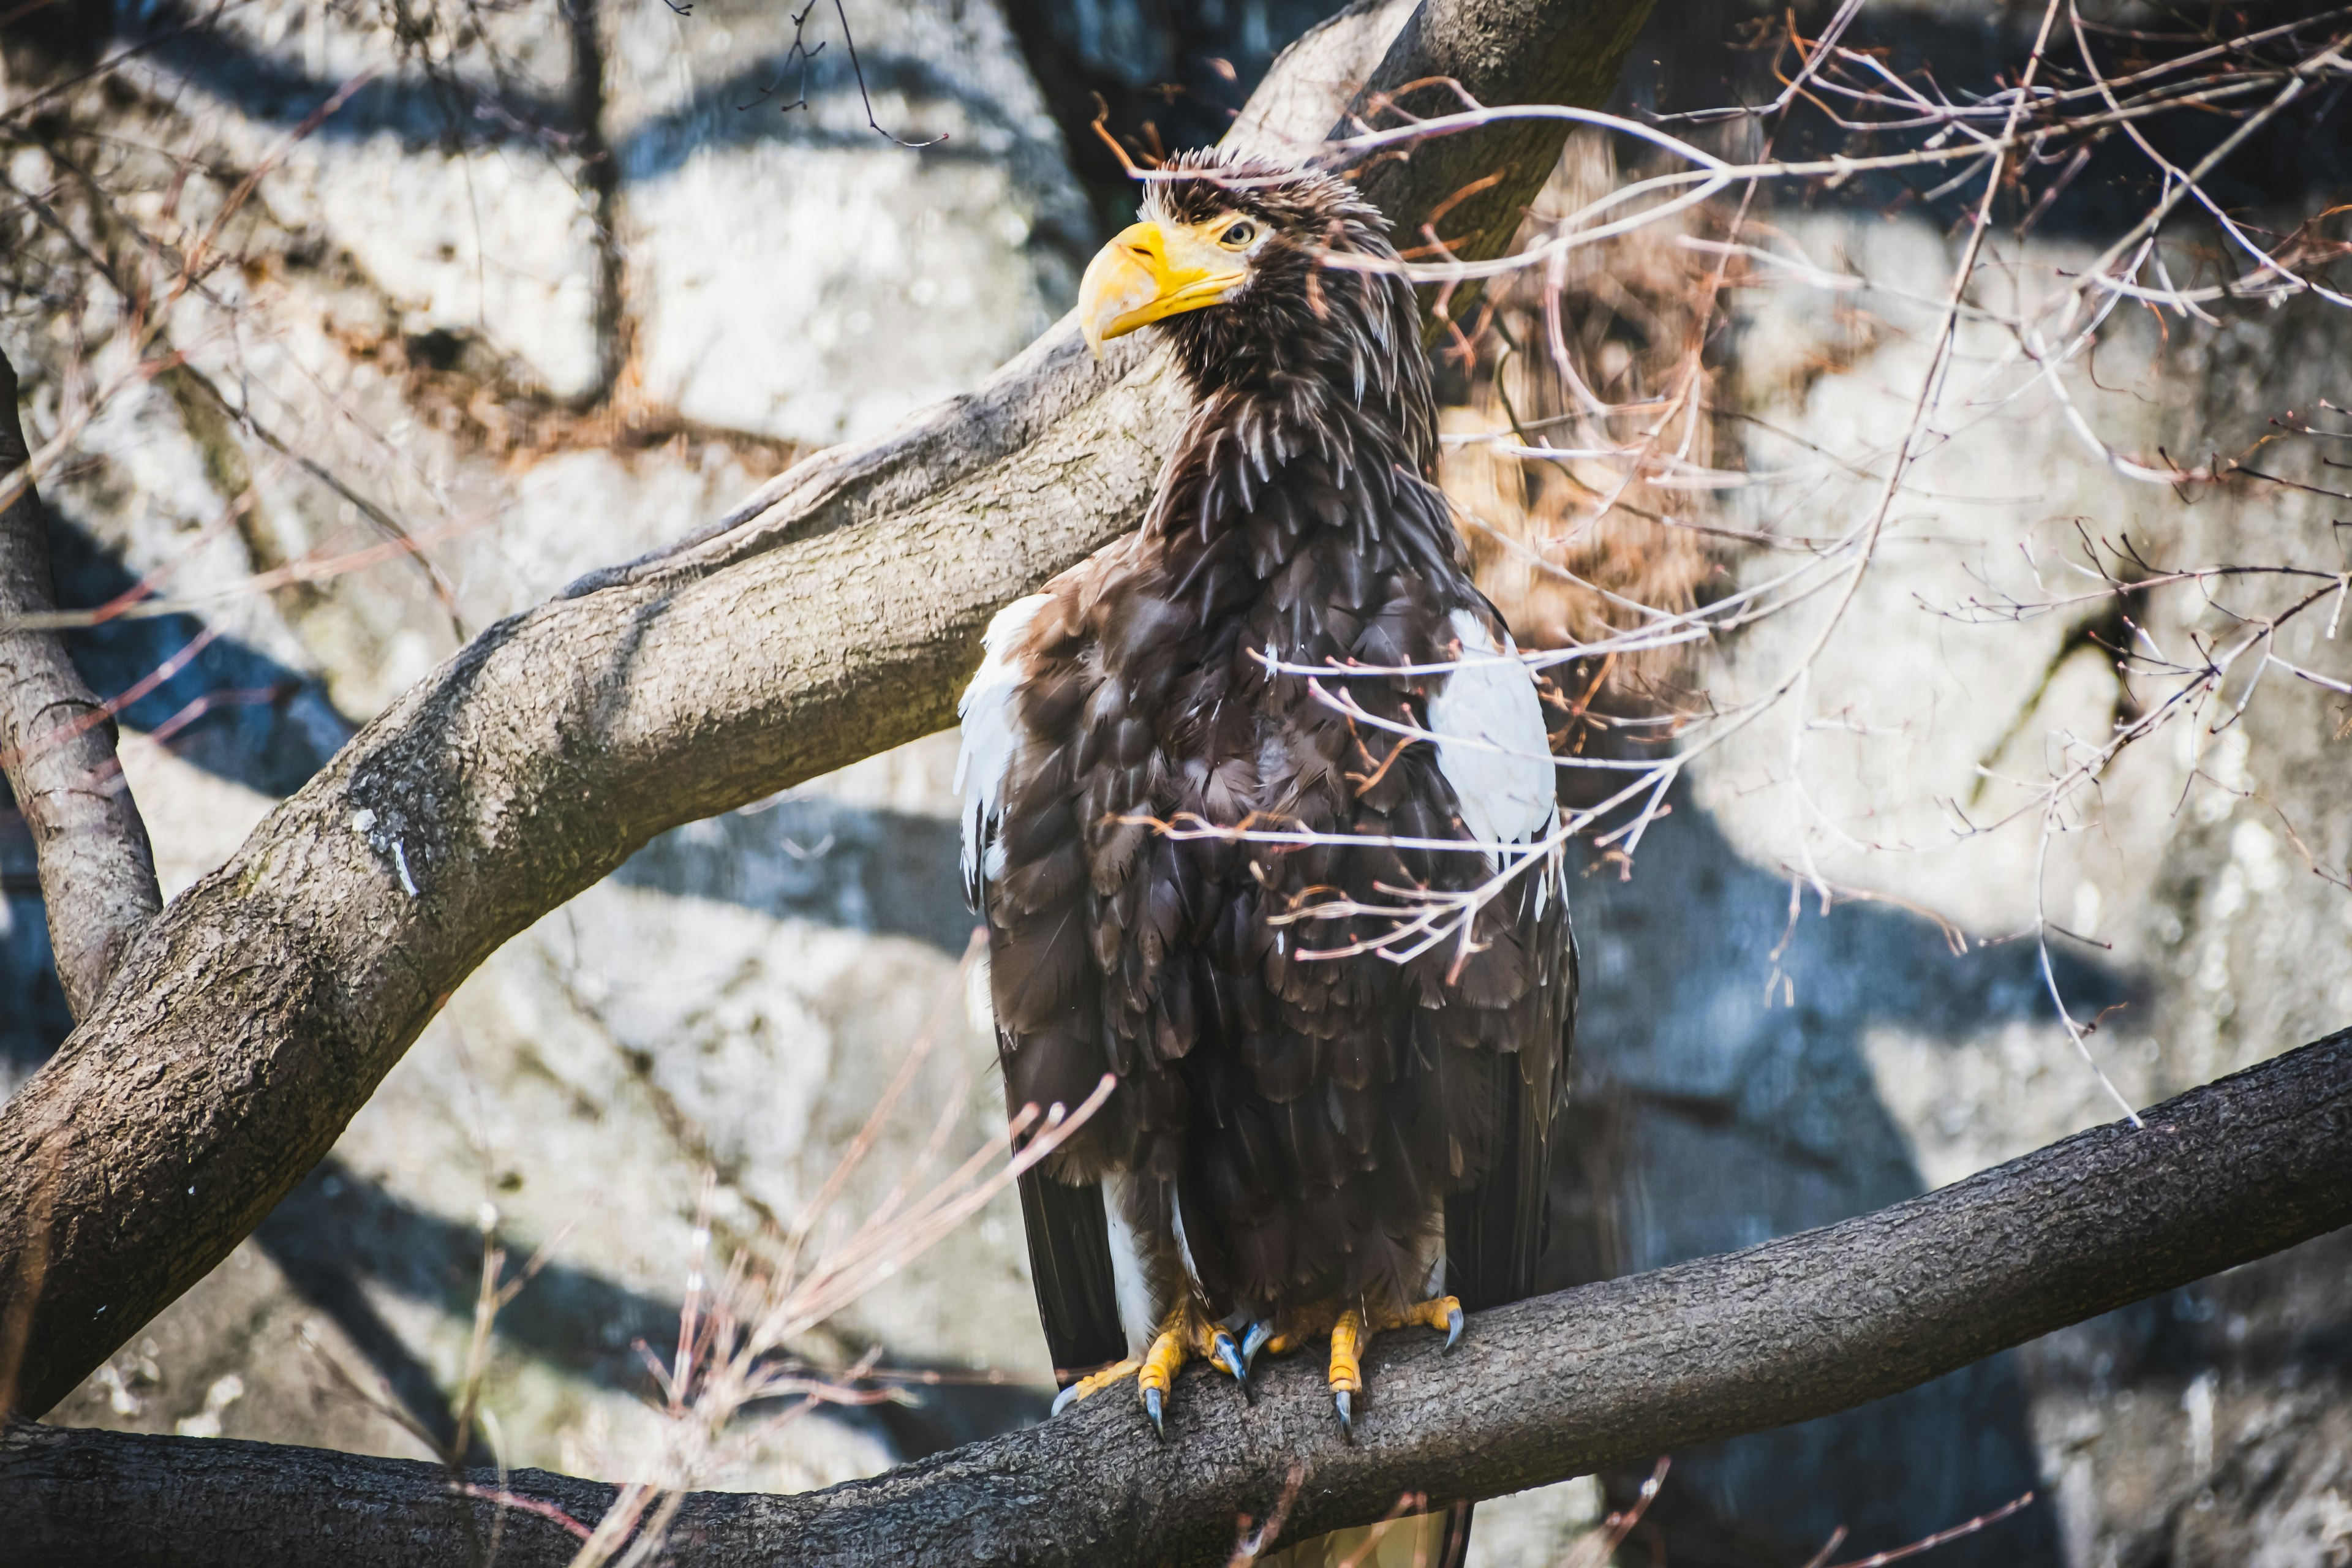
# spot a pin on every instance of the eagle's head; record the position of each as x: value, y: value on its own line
x: 1243, y: 264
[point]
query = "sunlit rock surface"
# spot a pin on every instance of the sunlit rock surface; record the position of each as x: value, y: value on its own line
x: 782, y: 249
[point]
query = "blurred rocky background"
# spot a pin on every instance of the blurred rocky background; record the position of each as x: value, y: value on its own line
x: 561, y: 280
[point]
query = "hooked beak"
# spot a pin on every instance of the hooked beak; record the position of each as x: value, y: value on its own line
x: 1152, y: 272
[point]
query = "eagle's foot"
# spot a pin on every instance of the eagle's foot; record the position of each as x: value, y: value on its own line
x: 1095, y: 1383
x: 1352, y: 1329
x: 1437, y: 1312
x: 1188, y: 1332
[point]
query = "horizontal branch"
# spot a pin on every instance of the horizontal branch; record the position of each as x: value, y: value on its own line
x: 57, y: 748
x: 833, y: 617
x: 1561, y: 1386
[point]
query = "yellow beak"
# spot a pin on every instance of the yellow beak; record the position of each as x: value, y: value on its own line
x: 1150, y: 273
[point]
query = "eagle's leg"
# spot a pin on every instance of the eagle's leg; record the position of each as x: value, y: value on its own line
x: 1095, y: 1383
x: 1188, y: 1331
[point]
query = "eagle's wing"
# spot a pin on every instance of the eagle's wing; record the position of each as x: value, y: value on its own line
x: 1494, y: 751
x: 1070, y: 1259
x: 1495, y: 1232
x: 1070, y: 1264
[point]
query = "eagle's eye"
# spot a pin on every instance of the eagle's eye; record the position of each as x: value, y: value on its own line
x: 1239, y: 236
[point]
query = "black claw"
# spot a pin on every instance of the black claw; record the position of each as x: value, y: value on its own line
x: 1230, y: 1357
x: 1151, y: 1409
x: 1254, y: 1339
x: 1346, y: 1403
x: 1452, y: 1327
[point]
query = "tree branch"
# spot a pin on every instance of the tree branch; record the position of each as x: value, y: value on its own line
x: 1565, y: 1385
x: 834, y: 615
x: 57, y: 747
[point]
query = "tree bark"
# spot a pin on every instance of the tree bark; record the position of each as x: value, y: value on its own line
x: 1565, y: 1385
x: 57, y: 747
x: 832, y: 616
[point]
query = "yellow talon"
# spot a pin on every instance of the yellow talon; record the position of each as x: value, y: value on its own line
x: 1094, y: 1382
x: 1440, y: 1313
x: 1347, y: 1337
x: 1162, y: 1363
x: 1352, y: 1330
x: 1188, y: 1331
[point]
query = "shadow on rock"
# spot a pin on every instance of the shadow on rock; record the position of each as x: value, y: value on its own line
x: 338, y: 1233
x: 1723, y: 1097
x: 887, y: 873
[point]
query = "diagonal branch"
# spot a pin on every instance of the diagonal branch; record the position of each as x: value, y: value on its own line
x: 1560, y: 1385
x: 832, y: 616
x: 57, y: 747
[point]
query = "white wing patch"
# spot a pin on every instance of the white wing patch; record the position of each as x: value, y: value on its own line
x: 990, y: 737
x: 1491, y: 744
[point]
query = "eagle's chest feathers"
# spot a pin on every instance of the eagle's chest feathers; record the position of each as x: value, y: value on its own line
x: 1128, y: 714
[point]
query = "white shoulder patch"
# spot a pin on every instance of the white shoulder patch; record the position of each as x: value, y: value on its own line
x: 1491, y: 744
x: 990, y: 737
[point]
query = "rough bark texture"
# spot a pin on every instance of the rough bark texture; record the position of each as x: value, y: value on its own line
x: 97, y: 873
x: 1560, y: 1385
x: 832, y: 616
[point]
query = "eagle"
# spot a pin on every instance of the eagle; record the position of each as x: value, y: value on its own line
x: 1260, y: 811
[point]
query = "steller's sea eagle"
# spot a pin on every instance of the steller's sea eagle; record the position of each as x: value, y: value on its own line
x: 1298, y: 1147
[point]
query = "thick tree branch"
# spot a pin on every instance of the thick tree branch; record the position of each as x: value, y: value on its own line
x: 1562, y: 1386
x: 833, y: 617
x: 57, y: 747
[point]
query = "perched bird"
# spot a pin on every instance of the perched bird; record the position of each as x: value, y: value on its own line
x: 1321, y: 938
